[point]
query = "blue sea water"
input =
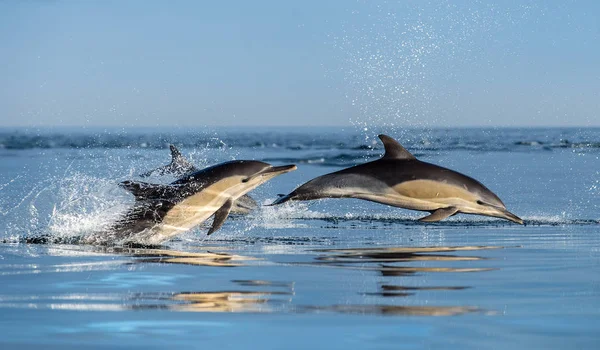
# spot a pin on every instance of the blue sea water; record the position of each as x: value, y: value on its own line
x: 336, y: 273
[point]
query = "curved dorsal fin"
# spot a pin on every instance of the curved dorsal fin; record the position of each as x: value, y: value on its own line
x: 179, y: 162
x: 175, y: 153
x: 394, y: 150
x: 179, y: 165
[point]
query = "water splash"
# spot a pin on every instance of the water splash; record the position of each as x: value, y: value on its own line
x: 283, y: 216
x: 399, y: 59
x: 86, y: 206
x: 68, y: 208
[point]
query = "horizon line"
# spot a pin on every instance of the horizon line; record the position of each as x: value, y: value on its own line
x: 528, y: 126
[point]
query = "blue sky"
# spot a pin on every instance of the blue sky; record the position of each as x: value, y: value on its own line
x: 310, y: 63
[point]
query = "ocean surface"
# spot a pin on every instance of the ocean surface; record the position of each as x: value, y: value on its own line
x: 334, y: 273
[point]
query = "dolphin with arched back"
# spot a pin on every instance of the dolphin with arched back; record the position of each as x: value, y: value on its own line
x: 401, y: 180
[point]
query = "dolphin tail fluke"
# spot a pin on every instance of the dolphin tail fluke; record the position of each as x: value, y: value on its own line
x: 221, y: 216
x: 439, y: 214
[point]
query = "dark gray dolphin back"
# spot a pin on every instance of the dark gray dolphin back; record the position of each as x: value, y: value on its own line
x: 208, y: 176
x: 353, y: 177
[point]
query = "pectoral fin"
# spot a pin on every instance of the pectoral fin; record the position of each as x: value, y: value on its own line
x: 439, y: 214
x: 220, y: 216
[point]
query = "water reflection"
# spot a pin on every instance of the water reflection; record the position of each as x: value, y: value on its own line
x: 387, y: 287
x: 271, y: 297
x: 404, y: 291
x: 260, y: 283
x: 381, y: 287
x: 389, y: 271
x: 392, y: 250
x: 397, y: 310
x: 374, y: 259
x: 140, y: 256
x: 236, y: 301
x: 232, y: 301
x: 384, y: 261
x: 162, y: 256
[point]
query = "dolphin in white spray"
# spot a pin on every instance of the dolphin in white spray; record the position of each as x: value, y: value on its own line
x: 163, y: 211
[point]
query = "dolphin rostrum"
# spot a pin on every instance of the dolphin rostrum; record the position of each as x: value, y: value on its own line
x: 401, y: 180
x: 163, y: 211
x: 180, y: 166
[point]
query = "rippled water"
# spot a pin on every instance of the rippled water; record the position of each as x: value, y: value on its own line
x: 333, y: 273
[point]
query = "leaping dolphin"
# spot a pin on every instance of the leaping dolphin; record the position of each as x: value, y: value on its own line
x: 163, y: 211
x: 401, y: 180
x: 180, y: 166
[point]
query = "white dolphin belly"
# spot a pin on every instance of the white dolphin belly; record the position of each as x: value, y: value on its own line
x: 424, y: 195
x: 196, y: 209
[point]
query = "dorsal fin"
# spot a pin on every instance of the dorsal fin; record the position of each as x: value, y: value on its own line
x: 179, y: 162
x: 179, y: 165
x: 144, y: 190
x: 394, y: 150
x: 175, y: 154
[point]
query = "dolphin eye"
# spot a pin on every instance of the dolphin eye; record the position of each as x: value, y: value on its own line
x: 480, y: 203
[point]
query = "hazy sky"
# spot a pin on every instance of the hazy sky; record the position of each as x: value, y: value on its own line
x: 195, y: 63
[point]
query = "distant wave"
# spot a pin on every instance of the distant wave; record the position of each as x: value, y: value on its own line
x: 340, y: 159
x: 419, y: 140
x: 560, y: 144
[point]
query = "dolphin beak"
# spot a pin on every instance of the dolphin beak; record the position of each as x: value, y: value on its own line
x: 510, y: 216
x: 282, y: 169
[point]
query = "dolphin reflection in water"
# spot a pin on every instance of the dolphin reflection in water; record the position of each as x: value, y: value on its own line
x: 401, y: 180
x: 386, y: 295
